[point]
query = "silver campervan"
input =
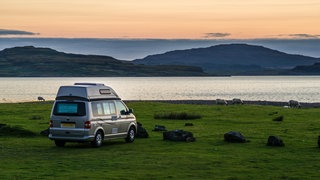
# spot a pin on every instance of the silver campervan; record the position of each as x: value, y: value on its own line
x: 90, y: 112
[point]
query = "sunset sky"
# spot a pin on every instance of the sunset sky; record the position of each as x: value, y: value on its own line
x: 165, y: 19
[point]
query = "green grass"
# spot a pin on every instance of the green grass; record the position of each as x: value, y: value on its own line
x: 209, y: 157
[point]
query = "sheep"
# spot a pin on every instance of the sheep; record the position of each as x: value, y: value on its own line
x: 294, y: 104
x: 221, y: 102
x: 237, y: 101
x: 41, y: 98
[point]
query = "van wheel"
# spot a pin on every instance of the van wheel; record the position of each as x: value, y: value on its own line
x: 59, y: 143
x: 131, y: 135
x: 97, y: 142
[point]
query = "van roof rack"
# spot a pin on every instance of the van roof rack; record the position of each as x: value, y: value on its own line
x: 86, y: 91
x: 89, y: 84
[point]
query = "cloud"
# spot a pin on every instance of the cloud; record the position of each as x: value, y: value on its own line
x: 305, y: 35
x: 10, y: 32
x: 216, y: 35
x: 301, y: 36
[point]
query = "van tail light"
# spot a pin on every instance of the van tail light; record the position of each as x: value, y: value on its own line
x: 87, y: 125
x: 51, y: 123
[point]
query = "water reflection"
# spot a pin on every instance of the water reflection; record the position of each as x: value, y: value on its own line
x: 271, y: 88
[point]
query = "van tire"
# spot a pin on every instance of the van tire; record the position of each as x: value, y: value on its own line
x: 59, y: 143
x: 98, y: 138
x: 131, y: 135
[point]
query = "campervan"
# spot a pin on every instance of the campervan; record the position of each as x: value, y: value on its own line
x: 90, y: 112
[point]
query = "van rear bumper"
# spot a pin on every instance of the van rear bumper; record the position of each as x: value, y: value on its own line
x: 76, y: 135
x: 71, y: 139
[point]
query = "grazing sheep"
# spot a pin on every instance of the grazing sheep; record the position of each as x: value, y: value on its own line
x: 221, y: 102
x: 237, y: 101
x: 41, y: 98
x: 294, y: 104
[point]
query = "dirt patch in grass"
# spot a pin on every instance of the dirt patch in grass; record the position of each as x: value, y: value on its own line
x: 36, y: 117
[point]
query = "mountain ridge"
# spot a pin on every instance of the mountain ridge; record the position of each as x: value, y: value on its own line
x: 230, y: 59
x: 224, y: 59
x: 45, y: 62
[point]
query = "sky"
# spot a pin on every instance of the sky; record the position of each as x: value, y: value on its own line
x: 165, y: 19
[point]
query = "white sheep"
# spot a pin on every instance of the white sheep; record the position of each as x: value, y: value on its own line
x: 221, y: 102
x: 237, y: 101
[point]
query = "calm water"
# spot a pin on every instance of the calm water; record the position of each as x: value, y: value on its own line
x: 279, y: 88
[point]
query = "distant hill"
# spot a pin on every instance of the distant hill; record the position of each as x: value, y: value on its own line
x: 234, y: 59
x: 306, y: 70
x: 44, y: 62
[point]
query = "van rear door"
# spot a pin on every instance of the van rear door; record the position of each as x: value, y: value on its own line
x: 68, y: 119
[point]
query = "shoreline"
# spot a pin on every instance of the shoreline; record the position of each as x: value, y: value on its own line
x: 213, y: 102
x: 205, y: 102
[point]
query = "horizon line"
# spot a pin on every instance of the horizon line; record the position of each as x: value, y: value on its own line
x: 168, y: 39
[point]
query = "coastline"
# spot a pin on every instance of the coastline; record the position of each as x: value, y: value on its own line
x: 204, y: 102
x: 248, y: 102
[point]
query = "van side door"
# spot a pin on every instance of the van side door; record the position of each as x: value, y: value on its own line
x: 104, y: 112
x: 124, y: 119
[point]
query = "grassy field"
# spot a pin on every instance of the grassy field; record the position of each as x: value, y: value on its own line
x: 25, y: 154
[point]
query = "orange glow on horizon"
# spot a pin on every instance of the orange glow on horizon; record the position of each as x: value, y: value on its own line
x: 167, y: 19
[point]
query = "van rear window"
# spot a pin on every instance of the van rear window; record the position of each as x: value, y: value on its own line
x: 69, y: 109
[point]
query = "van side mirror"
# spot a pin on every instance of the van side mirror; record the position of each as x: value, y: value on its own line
x: 123, y: 112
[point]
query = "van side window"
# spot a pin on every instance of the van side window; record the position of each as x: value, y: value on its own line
x: 121, y: 107
x: 99, y: 109
x: 96, y: 109
x: 112, y: 108
x: 103, y: 108
x: 106, y: 108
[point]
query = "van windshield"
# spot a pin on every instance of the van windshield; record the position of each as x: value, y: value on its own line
x: 69, y: 109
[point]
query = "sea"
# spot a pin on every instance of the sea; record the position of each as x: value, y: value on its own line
x: 251, y: 88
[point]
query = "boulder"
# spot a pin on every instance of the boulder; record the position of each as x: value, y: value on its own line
x: 188, y: 124
x: 234, y: 136
x: 159, y: 128
x: 178, y: 135
x: 275, y: 141
x: 141, y: 131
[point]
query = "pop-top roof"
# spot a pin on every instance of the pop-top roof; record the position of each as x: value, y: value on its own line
x: 87, y: 91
